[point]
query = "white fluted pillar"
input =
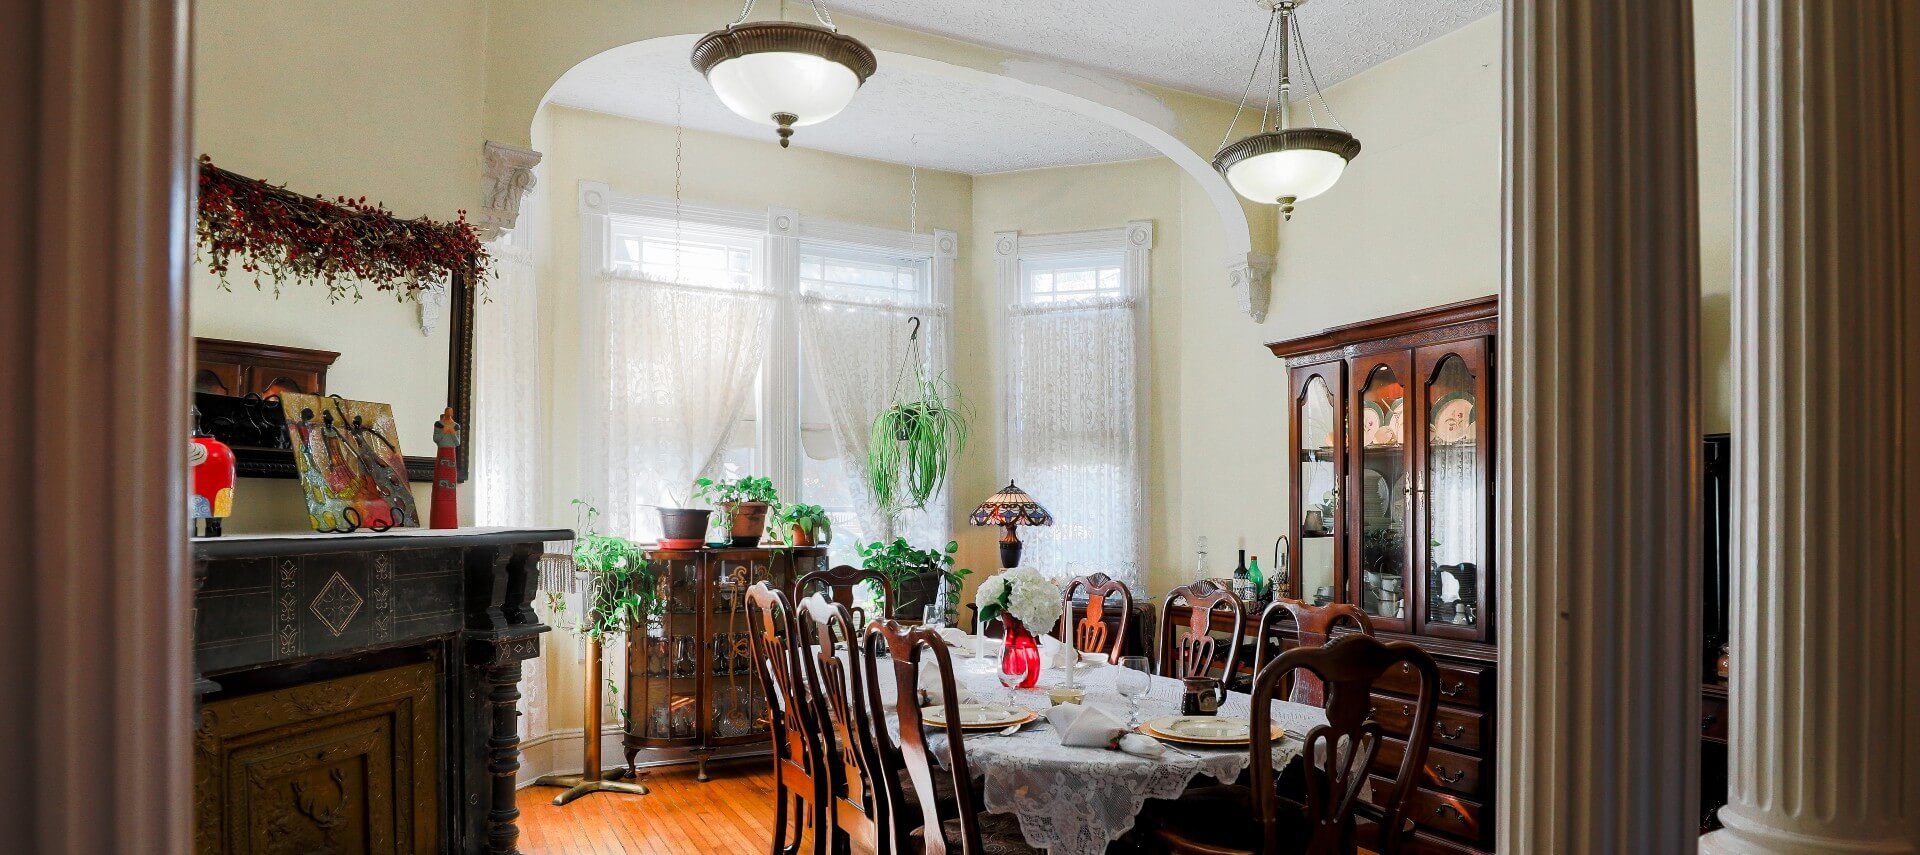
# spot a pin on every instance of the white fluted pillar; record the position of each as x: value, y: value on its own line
x: 1599, y: 448
x: 1825, y: 700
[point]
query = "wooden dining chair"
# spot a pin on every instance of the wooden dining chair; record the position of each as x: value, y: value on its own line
x: 1313, y: 627
x: 848, y: 754
x: 839, y: 581
x: 971, y: 831
x: 1089, y: 634
x: 1192, y: 654
x: 1336, y: 762
x: 799, y: 776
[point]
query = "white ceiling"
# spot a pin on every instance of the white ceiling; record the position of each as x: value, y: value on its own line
x: 960, y: 127
x: 1203, y: 46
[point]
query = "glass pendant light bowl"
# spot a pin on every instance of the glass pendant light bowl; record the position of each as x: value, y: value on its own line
x: 1284, y: 167
x: 783, y: 74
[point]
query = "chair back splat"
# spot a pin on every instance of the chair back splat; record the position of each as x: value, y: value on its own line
x: 1192, y: 654
x: 839, y: 582
x: 798, y: 773
x: 906, y: 648
x: 1314, y: 627
x: 1089, y: 634
x: 848, y: 754
x: 1339, y: 755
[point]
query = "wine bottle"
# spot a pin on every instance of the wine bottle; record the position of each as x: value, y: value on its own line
x: 1242, y: 582
x: 1259, y: 580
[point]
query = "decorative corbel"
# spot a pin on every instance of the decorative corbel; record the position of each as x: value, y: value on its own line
x: 507, y: 180
x: 1253, y: 278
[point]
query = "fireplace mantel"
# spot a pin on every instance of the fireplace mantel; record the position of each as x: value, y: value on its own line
x: 448, y: 610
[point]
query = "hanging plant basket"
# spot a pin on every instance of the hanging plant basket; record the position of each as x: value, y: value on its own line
x: 280, y: 236
x: 913, y: 443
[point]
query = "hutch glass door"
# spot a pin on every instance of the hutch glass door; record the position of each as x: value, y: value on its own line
x: 1454, y: 472
x: 1313, y: 573
x: 1382, y: 487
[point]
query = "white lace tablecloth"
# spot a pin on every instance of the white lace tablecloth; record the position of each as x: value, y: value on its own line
x: 1074, y: 801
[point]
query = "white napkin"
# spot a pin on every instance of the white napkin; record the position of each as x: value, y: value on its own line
x: 958, y: 639
x: 929, y: 686
x: 1086, y: 725
x: 1142, y: 745
x: 1054, y: 654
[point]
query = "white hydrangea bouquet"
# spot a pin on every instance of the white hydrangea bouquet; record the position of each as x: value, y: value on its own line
x: 1022, y: 593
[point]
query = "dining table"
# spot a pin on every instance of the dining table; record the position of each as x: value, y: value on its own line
x: 1073, y: 800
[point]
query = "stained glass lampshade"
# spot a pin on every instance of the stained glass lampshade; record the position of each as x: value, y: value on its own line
x: 1010, y: 508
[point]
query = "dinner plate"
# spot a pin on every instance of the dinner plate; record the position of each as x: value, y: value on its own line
x: 1200, y: 729
x: 979, y: 716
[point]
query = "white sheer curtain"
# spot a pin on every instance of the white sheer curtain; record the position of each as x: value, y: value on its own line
x: 509, y: 465
x: 856, y: 351
x: 676, y: 365
x: 1073, y: 434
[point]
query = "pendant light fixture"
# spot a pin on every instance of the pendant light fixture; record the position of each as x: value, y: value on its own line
x: 783, y: 74
x: 1286, y: 164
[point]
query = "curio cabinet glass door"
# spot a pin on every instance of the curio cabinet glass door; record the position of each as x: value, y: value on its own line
x: 1380, y: 486
x: 1454, y: 451
x: 1315, y: 559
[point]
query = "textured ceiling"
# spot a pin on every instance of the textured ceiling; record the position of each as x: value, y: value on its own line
x: 1204, y: 46
x: 960, y: 127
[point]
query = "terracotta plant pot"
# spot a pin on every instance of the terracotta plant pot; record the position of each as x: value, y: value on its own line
x: 799, y: 534
x: 684, y: 525
x: 746, y: 521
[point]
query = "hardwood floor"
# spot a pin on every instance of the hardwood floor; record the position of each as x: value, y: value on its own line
x: 733, y: 813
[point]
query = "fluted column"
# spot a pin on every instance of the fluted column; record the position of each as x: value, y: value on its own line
x: 1599, y: 594
x: 1824, y: 731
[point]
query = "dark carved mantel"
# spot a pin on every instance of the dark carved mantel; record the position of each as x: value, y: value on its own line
x: 443, y: 618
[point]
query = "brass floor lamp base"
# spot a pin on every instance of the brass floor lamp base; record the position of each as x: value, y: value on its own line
x: 579, y: 785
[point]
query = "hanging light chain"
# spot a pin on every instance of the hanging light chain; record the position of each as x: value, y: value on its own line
x: 679, y: 149
x: 1307, y: 65
x: 746, y: 9
x: 820, y: 12
x: 913, y: 184
x: 1252, y: 75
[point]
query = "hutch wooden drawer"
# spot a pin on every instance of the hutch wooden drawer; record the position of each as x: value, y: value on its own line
x: 1453, y: 728
x: 1445, y: 770
x: 1468, y: 686
x: 1441, y: 812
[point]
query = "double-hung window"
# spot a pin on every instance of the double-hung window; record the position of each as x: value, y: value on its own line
x: 1074, y: 431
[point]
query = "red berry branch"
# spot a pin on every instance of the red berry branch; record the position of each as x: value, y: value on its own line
x: 281, y: 236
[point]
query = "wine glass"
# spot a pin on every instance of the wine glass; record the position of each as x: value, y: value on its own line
x: 933, y: 617
x: 1011, y: 681
x: 1133, y: 681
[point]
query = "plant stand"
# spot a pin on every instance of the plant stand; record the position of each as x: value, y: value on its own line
x: 592, y: 778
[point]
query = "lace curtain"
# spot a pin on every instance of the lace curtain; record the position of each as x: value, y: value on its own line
x: 675, y: 367
x: 855, y: 351
x: 1073, y: 435
x: 509, y: 463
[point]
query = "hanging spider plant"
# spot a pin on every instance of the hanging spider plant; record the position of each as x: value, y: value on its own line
x: 914, y: 442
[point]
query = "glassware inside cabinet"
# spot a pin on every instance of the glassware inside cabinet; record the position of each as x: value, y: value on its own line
x: 1384, y: 484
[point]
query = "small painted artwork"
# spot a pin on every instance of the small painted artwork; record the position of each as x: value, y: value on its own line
x: 351, y: 471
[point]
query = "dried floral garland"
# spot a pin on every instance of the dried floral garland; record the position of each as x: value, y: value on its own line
x: 282, y: 236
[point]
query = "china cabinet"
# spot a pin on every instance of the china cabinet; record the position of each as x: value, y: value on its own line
x: 691, y: 690
x: 1391, y: 482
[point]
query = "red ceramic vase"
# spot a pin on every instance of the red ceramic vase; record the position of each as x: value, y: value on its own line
x: 1022, y: 652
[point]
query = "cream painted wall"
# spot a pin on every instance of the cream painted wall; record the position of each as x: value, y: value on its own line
x: 343, y: 97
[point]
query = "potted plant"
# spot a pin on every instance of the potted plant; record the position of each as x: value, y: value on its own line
x: 744, y: 504
x: 913, y: 443
x: 624, y: 588
x: 682, y: 527
x: 916, y: 574
x: 805, y: 525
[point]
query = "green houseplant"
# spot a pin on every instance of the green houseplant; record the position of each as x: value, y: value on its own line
x: 913, y: 443
x: 744, y: 504
x: 623, y: 589
x: 917, y: 575
x: 805, y: 525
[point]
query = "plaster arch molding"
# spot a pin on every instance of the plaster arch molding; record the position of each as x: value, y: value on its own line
x: 1124, y: 108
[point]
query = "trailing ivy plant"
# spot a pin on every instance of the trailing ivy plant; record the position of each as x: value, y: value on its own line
x: 900, y: 562
x: 624, y: 589
x: 913, y: 443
